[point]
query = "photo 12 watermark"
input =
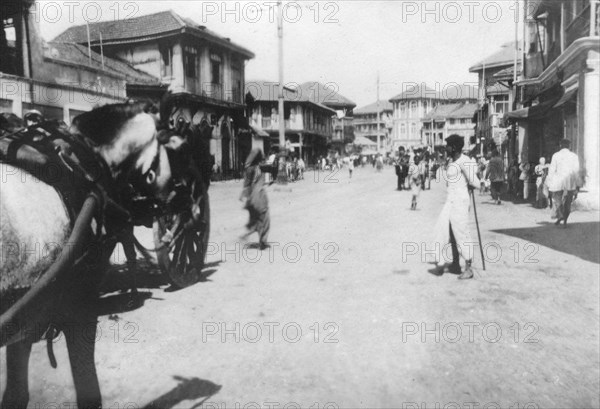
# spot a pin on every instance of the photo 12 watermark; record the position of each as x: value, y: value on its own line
x: 290, y: 12
x: 469, y: 332
x: 270, y: 332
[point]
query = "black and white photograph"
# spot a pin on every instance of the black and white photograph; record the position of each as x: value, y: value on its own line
x: 319, y: 204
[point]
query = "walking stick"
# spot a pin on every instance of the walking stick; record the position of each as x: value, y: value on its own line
x: 478, y: 232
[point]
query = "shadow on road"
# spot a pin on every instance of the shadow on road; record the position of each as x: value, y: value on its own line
x: 578, y: 239
x: 187, y: 389
x: 119, y: 303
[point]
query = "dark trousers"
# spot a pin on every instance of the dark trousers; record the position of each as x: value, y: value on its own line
x: 400, y: 182
x: 455, y: 253
x: 562, y: 203
x: 496, y: 189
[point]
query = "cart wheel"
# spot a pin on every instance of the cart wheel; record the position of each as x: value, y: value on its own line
x: 182, y: 259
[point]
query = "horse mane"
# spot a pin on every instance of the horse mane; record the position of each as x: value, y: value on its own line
x: 102, y: 124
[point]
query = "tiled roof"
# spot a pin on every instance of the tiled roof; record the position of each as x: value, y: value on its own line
x: 325, y: 94
x: 448, y: 111
x: 361, y: 140
x: 372, y: 108
x: 507, y: 73
x: 142, y: 28
x: 263, y: 90
x: 78, y: 54
x: 460, y: 92
x: 504, y: 56
x: 417, y: 91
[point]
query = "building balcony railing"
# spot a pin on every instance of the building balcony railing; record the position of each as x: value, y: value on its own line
x: 214, y: 91
x: 580, y: 26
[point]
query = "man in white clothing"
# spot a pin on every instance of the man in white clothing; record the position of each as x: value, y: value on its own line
x: 453, y: 223
x: 563, y: 181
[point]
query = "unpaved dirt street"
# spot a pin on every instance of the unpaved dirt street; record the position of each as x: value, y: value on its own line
x: 341, y: 311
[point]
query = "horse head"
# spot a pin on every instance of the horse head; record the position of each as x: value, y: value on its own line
x: 124, y: 136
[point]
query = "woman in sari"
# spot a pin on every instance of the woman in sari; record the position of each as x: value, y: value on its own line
x: 257, y: 203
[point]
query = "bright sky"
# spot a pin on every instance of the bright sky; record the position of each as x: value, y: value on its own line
x: 341, y: 42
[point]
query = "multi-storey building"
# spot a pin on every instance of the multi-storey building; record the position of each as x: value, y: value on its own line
x: 447, y: 119
x: 560, y: 85
x: 203, y: 68
x: 496, y: 76
x: 308, y: 124
x: 329, y: 96
x: 366, y: 125
x: 416, y: 102
x: 59, y: 80
x: 409, y: 108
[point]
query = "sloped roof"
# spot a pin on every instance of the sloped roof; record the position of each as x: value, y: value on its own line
x: 144, y: 28
x: 451, y: 111
x: 460, y: 92
x: 325, y: 95
x: 372, y: 108
x: 262, y: 90
x: 416, y: 91
x: 363, y: 141
x: 78, y: 54
x: 507, y: 73
x: 504, y: 56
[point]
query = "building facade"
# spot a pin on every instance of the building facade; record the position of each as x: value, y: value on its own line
x: 308, y: 124
x: 496, y: 74
x: 447, y: 119
x: 366, y: 125
x: 60, y: 81
x: 415, y: 103
x: 559, y: 90
x: 343, y: 123
x: 410, y: 107
x: 205, y: 70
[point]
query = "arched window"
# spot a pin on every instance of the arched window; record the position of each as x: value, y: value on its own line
x: 402, y: 108
x: 413, y: 129
x: 402, y: 129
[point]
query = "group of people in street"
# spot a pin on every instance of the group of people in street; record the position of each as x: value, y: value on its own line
x: 556, y: 183
x: 414, y: 173
x: 463, y: 174
x: 294, y: 167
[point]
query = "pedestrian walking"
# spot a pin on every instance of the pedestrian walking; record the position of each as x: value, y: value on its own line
x: 541, y: 173
x: 563, y: 181
x: 301, y: 168
x: 379, y: 163
x: 415, y: 183
x: 398, y: 168
x: 513, y: 178
x: 481, y: 168
x: 255, y: 194
x: 494, y: 172
x: 525, y: 167
x: 453, y: 222
x: 350, y: 167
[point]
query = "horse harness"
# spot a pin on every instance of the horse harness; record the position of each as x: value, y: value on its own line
x: 70, y: 165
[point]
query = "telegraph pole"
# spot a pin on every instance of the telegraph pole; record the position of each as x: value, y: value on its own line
x: 281, y: 171
x: 378, y: 115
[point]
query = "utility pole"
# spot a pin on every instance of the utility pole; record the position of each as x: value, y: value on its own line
x: 484, y: 119
x: 378, y: 115
x: 87, y: 26
x: 281, y: 171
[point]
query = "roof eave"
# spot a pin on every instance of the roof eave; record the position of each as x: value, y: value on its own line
x: 220, y: 41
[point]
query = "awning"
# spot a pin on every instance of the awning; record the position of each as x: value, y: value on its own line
x: 569, y: 94
x: 535, y: 112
